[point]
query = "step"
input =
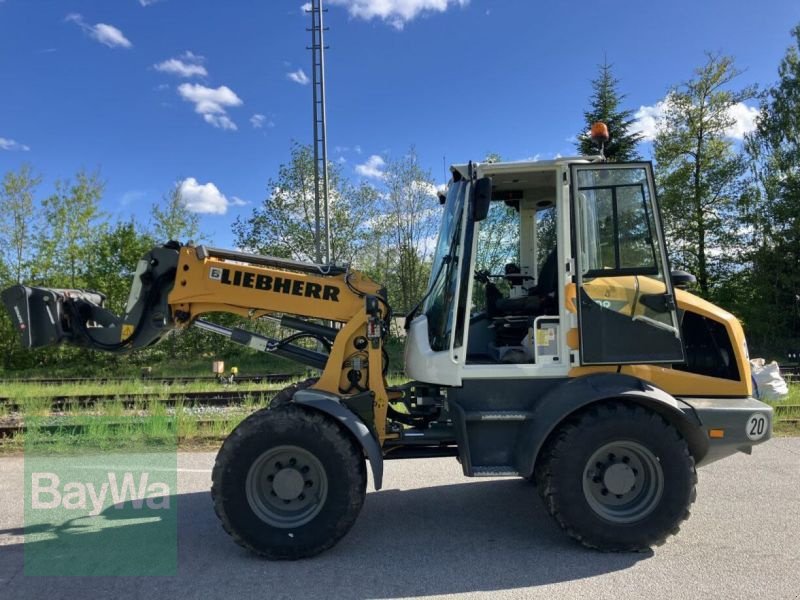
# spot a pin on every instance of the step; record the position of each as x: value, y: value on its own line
x: 498, y: 471
x: 498, y: 415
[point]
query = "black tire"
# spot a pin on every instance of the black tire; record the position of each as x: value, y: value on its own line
x: 286, y: 394
x: 617, y: 477
x: 245, y: 483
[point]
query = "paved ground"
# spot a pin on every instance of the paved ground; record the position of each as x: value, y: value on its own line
x: 431, y: 533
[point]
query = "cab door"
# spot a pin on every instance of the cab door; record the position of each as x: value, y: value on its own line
x: 625, y: 300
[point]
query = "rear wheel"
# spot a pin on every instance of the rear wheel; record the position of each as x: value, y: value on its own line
x: 617, y: 477
x: 288, y: 483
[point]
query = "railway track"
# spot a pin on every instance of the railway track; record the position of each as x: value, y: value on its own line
x: 129, y: 401
x: 269, y: 378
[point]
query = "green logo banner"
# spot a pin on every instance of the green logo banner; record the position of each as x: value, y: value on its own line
x: 100, y: 499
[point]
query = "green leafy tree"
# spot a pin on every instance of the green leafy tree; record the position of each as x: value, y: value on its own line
x: 408, y: 225
x: 284, y: 224
x: 773, y: 317
x: 605, y: 105
x: 72, y: 219
x: 701, y: 174
x: 112, y: 261
x: 171, y: 220
x: 18, y: 220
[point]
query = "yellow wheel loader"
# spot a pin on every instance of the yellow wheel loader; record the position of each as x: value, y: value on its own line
x: 579, y: 365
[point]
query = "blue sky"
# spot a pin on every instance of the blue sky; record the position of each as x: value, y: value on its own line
x: 210, y: 92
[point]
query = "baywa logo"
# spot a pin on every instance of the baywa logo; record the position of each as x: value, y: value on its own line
x: 47, y: 493
x: 104, y: 514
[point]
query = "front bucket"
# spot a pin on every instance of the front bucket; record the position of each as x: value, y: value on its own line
x: 38, y: 313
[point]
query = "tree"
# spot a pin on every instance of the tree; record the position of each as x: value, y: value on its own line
x: 18, y: 217
x: 71, y: 217
x: 408, y: 226
x: 774, y: 149
x: 284, y: 224
x: 174, y: 221
x: 112, y: 261
x: 701, y: 175
x: 605, y: 106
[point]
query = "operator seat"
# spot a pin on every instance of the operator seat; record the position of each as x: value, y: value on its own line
x: 540, y: 299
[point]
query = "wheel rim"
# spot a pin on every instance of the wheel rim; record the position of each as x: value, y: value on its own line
x: 286, y: 486
x: 623, y: 482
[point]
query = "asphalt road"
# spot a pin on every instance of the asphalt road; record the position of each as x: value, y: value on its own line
x: 433, y: 533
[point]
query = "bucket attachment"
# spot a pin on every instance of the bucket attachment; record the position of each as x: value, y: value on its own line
x: 49, y: 316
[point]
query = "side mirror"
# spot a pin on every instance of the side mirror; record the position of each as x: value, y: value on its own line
x: 682, y: 279
x: 481, y: 199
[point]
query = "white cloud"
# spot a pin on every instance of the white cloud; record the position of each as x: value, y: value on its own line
x: 10, y: 145
x: 298, y: 76
x: 236, y: 201
x: 148, y: 2
x: 102, y: 32
x: 204, y: 198
x: 650, y: 118
x: 425, y: 188
x: 220, y: 121
x: 395, y: 12
x: 259, y: 121
x: 211, y: 103
x: 186, y: 65
x: 305, y: 8
x: 372, y: 168
x: 744, y: 120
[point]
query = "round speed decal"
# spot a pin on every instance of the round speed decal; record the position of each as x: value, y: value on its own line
x: 757, y: 426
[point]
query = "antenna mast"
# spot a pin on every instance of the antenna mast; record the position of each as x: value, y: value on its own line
x: 320, y: 130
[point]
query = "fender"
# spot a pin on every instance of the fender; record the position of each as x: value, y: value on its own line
x: 331, y: 405
x: 580, y: 392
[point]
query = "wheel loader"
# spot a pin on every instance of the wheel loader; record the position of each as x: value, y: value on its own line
x: 580, y: 364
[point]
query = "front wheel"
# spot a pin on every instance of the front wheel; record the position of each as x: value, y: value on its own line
x: 288, y: 483
x: 617, y: 477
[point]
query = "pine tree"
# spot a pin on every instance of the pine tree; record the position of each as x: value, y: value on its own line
x: 605, y: 106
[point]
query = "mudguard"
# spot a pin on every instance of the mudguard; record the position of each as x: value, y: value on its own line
x: 331, y: 405
x: 579, y: 392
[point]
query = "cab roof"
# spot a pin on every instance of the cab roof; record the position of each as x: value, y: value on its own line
x: 524, y: 166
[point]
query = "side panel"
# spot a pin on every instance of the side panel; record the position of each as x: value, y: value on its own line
x: 489, y: 415
x: 502, y: 424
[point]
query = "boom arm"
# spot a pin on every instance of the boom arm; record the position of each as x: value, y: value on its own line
x: 174, y: 285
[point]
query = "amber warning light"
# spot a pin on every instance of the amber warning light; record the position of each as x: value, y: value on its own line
x: 599, y: 132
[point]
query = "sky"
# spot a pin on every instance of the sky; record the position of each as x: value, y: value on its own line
x: 212, y: 93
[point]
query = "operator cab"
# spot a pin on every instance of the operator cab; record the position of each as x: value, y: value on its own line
x: 516, y: 274
x: 559, y: 264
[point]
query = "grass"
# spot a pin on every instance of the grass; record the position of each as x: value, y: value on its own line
x: 31, y: 391
x: 782, y: 425
x: 112, y: 425
x: 133, y: 366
